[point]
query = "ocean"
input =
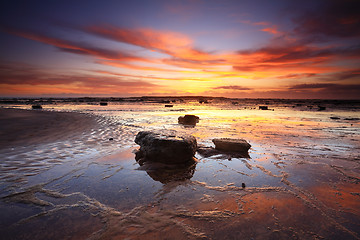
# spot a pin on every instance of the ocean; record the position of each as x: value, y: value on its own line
x: 302, y: 174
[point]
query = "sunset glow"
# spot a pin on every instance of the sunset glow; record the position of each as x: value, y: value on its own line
x: 240, y: 49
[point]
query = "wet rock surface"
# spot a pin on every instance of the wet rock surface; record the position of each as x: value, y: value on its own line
x: 167, y: 147
x: 207, y: 152
x: 231, y: 144
x: 188, y: 120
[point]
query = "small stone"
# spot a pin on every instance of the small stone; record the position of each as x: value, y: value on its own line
x: 110, y: 139
x: 36, y: 106
x: 243, y: 185
x: 263, y: 108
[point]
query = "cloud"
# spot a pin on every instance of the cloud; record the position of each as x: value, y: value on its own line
x: 163, y: 41
x: 77, y: 47
x: 315, y: 86
x: 337, y: 90
x: 233, y: 87
x: 151, y: 77
x: 27, y: 75
x: 331, y: 19
x: 297, y: 75
x: 272, y: 30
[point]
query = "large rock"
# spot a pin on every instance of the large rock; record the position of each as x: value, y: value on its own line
x: 167, y: 147
x: 188, y: 120
x: 231, y: 144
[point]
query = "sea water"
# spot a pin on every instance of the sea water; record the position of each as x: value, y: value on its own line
x: 302, y: 176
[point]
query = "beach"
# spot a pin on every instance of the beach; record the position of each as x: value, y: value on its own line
x: 28, y: 127
x: 69, y: 172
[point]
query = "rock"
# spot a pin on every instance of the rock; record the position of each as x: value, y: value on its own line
x: 243, y: 185
x: 211, y: 151
x: 188, y: 120
x: 103, y: 103
x: 36, y: 106
x: 335, y: 118
x: 167, y: 147
x: 231, y: 145
x: 320, y: 108
x: 169, y: 105
x: 263, y: 108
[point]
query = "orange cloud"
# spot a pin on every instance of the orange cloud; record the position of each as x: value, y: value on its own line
x: 166, y: 42
x: 272, y: 30
x: 183, y: 61
x: 22, y: 79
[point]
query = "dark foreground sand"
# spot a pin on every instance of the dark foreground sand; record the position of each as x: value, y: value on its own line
x: 27, y: 127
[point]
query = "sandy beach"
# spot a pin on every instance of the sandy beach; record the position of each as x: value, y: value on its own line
x: 20, y: 127
x: 63, y: 178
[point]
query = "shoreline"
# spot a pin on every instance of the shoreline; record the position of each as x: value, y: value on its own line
x: 20, y: 127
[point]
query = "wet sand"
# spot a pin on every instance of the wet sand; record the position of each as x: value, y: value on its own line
x: 20, y: 127
x: 302, y: 180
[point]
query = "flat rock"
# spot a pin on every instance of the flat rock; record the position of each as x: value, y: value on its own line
x: 231, y: 144
x: 167, y: 147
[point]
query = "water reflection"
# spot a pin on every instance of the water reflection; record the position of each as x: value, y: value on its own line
x: 166, y: 173
x: 299, y: 174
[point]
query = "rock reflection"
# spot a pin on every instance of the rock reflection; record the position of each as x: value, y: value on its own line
x: 166, y: 173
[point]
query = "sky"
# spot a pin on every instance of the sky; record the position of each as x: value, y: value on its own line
x: 224, y: 48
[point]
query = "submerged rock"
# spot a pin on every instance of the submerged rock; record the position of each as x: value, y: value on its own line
x: 231, y: 144
x: 167, y: 147
x: 188, y: 120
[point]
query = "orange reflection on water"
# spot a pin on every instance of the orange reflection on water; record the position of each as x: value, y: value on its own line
x: 344, y: 197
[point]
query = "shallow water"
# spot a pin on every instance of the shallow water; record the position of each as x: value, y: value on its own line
x: 302, y: 177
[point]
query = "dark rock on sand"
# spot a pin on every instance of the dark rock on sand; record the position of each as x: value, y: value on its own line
x: 36, y: 106
x: 167, y: 147
x: 263, y: 108
x: 103, y: 103
x: 188, y: 120
x: 335, y: 118
x: 231, y: 144
x: 169, y: 105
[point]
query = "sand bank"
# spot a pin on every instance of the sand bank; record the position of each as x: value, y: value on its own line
x: 27, y: 127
